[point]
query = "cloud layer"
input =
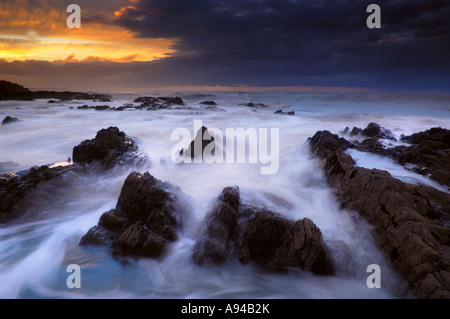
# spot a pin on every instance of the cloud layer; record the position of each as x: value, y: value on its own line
x: 278, y: 43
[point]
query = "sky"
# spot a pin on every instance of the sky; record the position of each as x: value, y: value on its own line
x: 140, y: 45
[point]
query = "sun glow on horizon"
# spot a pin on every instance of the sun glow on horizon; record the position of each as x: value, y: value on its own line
x: 42, y: 34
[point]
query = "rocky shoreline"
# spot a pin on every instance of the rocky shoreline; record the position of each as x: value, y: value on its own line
x: 410, y: 222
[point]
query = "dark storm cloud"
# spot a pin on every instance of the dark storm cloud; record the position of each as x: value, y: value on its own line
x: 272, y: 42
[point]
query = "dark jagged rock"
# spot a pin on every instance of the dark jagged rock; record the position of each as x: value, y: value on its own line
x: 110, y: 147
x: 407, y: 219
x: 202, y: 138
x: 280, y: 111
x: 251, y: 104
x: 261, y: 236
x: 219, y: 230
x: 156, y: 103
x: 103, y: 100
x: 9, y: 119
x: 430, y: 151
x: 97, y: 107
x: 102, y: 107
x: 371, y: 145
x: 145, y: 221
x: 208, y: 103
x: 14, y: 188
x: 125, y: 106
x: 280, y: 243
x: 52, y: 101
x: 373, y: 130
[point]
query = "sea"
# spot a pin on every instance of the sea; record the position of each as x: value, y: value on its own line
x: 35, y: 252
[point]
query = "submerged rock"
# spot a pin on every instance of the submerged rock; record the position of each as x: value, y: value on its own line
x: 145, y: 220
x: 251, y: 104
x: 408, y: 220
x: 260, y: 236
x: 208, y: 103
x: 280, y: 111
x: 155, y: 103
x: 9, y: 119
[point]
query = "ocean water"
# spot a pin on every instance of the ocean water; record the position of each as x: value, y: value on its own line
x: 35, y: 252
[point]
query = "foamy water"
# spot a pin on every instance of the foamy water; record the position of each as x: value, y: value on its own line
x: 34, y: 253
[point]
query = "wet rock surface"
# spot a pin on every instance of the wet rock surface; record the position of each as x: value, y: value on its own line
x: 410, y: 221
x: 260, y: 236
x: 145, y: 220
x: 429, y: 152
x: 372, y: 130
x: 109, y: 147
x: 16, y: 190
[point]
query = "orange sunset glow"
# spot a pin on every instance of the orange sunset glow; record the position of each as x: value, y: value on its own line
x: 41, y: 33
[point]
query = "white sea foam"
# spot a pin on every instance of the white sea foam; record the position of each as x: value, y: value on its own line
x: 34, y: 254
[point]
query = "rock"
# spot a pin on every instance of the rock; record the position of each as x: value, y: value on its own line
x: 125, y: 106
x: 251, y: 104
x: 12, y: 91
x: 84, y: 107
x: 430, y: 151
x: 102, y: 107
x: 52, y: 101
x: 373, y: 130
x: 14, y: 188
x: 156, y: 103
x: 145, y: 221
x: 371, y: 145
x: 280, y: 111
x: 109, y: 147
x: 355, y: 131
x: 104, y: 99
x: 340, y: 257
x: 220, y: 224
x: 403, y: 216
x: 280, y: 243
x: 208, y: 103
x: 202, y: 138
x: 260, y: 236
x: 9, y: 119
